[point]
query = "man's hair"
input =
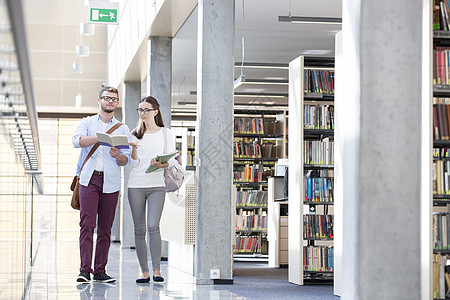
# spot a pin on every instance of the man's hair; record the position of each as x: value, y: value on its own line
x: 108, y: 89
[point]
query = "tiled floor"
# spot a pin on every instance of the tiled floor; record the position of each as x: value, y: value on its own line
x: 57, y: 264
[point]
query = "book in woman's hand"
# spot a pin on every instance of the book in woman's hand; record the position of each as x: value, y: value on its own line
x: 162, y: 158
x: 118, y: 141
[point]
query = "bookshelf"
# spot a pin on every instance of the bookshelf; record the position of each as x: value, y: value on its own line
x: 185, y: 142
x: 277, y: 227
x: 190, y: 158
x: 259, y: 141
x: 441, y: 160
x: 311, y: 172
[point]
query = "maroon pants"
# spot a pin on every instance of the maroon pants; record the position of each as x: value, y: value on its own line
x: 93, y: 203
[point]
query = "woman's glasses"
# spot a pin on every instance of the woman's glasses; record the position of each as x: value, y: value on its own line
x: 144, y: 111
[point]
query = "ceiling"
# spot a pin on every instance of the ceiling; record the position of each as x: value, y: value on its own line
x: 53, y: 34
x: 265, y: 41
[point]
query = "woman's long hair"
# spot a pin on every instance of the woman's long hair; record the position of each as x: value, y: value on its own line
x: 141, y: 128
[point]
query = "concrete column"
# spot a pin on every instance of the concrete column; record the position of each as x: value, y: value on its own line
x: 385, y: 119
x: 214, y: 140
x: 130, y: 103
x: 115, y: 229
x: 159, y: 78
x: 159, y: 84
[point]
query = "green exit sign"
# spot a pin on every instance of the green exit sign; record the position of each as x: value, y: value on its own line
x: 103, y: 12
x: 102, y: 15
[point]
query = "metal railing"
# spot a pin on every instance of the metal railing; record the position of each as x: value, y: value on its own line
x: 18, y: 115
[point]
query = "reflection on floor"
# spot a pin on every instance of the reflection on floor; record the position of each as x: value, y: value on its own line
x: 57, y: 265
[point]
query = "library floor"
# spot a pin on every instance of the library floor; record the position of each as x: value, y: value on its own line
x: 56, y: 266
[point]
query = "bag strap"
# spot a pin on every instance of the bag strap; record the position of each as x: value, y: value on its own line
x: 111, y: 130
x: 165, y: 139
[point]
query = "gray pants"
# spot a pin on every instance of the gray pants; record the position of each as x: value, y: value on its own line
x: 154, y: 199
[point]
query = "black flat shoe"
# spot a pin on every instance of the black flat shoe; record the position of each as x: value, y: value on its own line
x: 143, y: 280
x: 158, y: 279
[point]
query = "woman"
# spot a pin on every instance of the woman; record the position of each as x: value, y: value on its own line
x: 148, y: 189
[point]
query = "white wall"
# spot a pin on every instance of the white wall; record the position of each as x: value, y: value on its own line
x: 138, y: 19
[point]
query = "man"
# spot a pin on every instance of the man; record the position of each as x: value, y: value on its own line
x: 99, y: 184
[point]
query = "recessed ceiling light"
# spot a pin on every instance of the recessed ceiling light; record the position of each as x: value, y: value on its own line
x: 310, y: 20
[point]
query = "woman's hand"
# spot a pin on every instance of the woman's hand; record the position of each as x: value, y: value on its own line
x: 134, y: 144
x: 158, y: 164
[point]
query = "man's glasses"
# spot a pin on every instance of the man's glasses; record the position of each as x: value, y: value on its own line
x: 144, y: 111
x: 110, y: 99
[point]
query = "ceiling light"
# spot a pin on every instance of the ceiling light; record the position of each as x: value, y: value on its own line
x: 78, y: 100
x: 187, y: 103
x: 239, y: 81
x: 77, y: 68
x: 261, y: 106
x: 266, y: 81
x: 87, y: 29
x: 261, y: 95
x: 261, y: 65
x: 82, y: 50
x: 310, y: 20
x: 251, y: 95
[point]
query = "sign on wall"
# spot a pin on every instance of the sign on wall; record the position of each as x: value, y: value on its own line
x: 103, y: 12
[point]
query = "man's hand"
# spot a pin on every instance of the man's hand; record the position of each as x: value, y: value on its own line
x: 114, y: 152
x: 121, y: 159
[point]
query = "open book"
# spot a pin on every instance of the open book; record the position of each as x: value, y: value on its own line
x: 163, y: 158
x: 118, y: 141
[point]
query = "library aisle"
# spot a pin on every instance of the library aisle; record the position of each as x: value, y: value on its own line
x: 56, y: 266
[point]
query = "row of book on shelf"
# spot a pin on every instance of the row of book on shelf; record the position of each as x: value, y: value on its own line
x: 319, y: 152
x: 318, y: 226
x: 441, y: 276
x: 441, y: 153
x: 441, y: 231
x: 441, y: 66
x: 249, y: 244
x: 441, y: 177
x: 190, y: 161
x: 248, y: 173
x: 441, y: 120
x: 319, y: 189
x: 441, y: 15
x: 318, y: 258
x: 319, y: 81
x: 251, y: 198
x: 246, y: 148
x: 190, y: 139
x: 249, y: 220
x: 257, y: 125
x: 250, y: 148
x: 248, y: 125
x: 318, y: 116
